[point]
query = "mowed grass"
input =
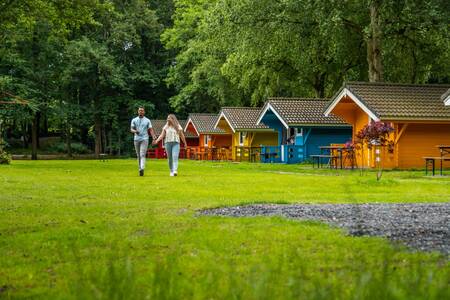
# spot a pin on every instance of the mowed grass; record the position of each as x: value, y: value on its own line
x: 95, y: 230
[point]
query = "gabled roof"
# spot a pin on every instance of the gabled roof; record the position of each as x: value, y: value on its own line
x: 446, y: 97
x: 159, y: 124
x: 301, y: 111
x: 396, y: 101
x: 203, y: 123
x: 187, y: 134
x: 242, y: 118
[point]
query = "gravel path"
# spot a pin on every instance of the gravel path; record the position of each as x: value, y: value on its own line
x: 423, y: 226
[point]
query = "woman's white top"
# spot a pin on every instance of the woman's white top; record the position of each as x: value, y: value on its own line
x: 172, y: 134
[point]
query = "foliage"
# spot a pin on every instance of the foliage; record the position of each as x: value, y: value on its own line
x: 85, y: 64
x: 5, y: 157
x: 77, y: 148
x: 95, y: 230
x: 246, y: 51
x: 376, y: 133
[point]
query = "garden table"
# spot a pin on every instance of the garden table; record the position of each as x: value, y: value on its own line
x: 340, y: 150
x: 444, y: 150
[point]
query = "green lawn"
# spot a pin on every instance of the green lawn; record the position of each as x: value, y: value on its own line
x: 95, y: 230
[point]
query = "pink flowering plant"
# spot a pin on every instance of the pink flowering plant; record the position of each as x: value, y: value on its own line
x: 349, y: 145
x: 375, y: 134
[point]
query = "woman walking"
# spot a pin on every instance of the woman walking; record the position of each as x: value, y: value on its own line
x: 172, y: 132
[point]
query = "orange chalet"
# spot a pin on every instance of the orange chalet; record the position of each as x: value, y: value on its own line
x: 418, y: 114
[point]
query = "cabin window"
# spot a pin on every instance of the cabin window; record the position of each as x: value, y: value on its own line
x: 242, y: 138
x: 206, y: 139
x: 292, y: 132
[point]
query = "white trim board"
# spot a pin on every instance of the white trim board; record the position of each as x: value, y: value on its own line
x: 447, y: 101
x: 347, y: 92
x: 270, y: 107
x: 226, y: 119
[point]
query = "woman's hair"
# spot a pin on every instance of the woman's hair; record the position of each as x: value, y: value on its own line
x: 174, y: 121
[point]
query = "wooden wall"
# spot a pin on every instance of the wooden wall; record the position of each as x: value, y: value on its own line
x: 419, y: 140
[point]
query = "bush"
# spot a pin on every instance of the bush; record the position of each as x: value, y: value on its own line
x: 77, y: 148
x: 5, y: 157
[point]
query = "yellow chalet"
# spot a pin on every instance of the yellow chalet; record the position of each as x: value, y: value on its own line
x: 241, y: 123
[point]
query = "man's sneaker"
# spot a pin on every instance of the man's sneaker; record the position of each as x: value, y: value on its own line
x: 141, y: 172
x: 175, y: 173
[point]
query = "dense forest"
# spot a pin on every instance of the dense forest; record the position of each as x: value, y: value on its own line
x: 78, y: 69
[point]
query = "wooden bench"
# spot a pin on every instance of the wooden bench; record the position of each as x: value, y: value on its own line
x: 431, y: 160
x: 332, y: 159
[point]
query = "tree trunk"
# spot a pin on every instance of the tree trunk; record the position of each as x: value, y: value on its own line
x: 45, y: 126
x: 69, y: 142
x: 319, y: 85
x: 119, y: 146
x: 374, y: 57
x: 34, y: 137
x: 110, y: 141
x: 38, y: 128
x: 98, y: 136
x: 104, y: 140
x: 24, y: 135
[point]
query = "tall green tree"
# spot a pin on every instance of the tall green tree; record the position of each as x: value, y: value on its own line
x: 32, y: 33
x: 301, y: 47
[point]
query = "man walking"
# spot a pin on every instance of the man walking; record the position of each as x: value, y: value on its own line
x: 141, y: 126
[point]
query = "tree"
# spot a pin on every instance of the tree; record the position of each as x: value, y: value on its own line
x: 236, y: 51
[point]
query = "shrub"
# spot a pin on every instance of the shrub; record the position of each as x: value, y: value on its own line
x: 77, y: 148
x: 5, y: 157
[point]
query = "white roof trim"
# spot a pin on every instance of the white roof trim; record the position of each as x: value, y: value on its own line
x: 187, y: 124
x: 270, y: 107
x: 346, y: 92
x: 447, y: 100
x: 226, y: 119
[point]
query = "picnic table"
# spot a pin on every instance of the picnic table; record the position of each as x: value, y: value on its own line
x: 208, y: 153
x: 252, y: 154
x: 329, y: 152
x: 444, y: 151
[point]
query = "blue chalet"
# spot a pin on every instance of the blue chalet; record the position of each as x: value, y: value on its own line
x: 302, y: 127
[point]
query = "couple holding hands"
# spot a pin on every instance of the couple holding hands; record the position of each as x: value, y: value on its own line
x: 172, y: 133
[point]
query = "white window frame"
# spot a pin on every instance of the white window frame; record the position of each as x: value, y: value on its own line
x: 206, y: 139
x: 297, y: 132
x: 242, y: 135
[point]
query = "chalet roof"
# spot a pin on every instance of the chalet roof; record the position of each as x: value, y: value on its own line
x: 396, y: 101
x: 159, y: 124
x: 204, y: 123
x: 301, y: 111
x: 242, y: 118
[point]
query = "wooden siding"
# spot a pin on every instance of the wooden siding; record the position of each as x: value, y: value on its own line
x: 419, y: 140
x: 264, y: 139
x: 221, y: 140
x: 324, y: 137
